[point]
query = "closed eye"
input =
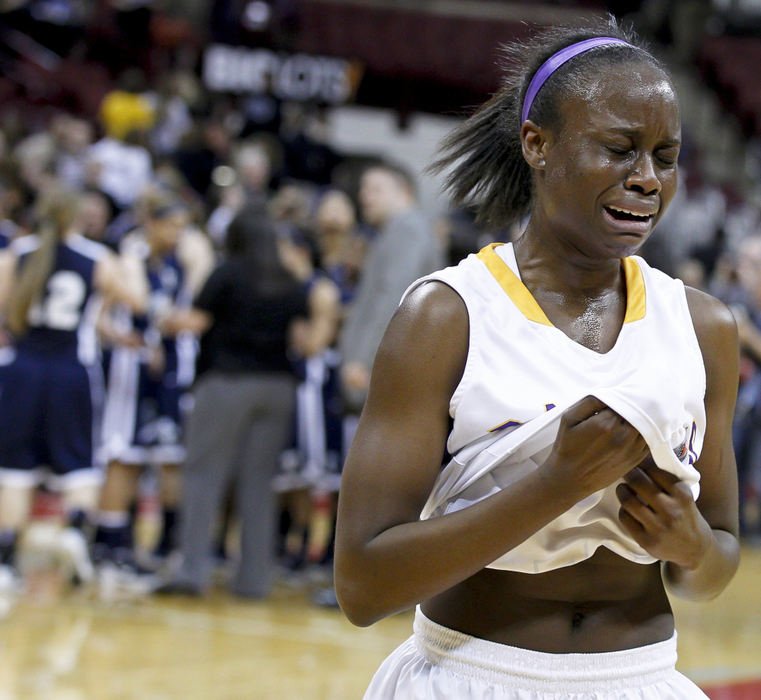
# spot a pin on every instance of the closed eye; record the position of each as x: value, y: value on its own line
x: 668, y: 159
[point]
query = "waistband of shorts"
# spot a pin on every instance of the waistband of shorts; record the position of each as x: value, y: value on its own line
x: 501, y: 664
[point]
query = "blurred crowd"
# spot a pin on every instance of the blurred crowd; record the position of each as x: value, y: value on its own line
x: 231, y: 244
x: 242, y: 273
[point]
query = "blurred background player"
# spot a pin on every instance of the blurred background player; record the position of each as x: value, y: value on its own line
x: 150, y: 371
x: 51, y: 285
x: 309, y: 477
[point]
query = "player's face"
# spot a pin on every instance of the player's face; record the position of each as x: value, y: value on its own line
x: 611, y: 165
x: 378, y: 192
x: 167, y: 231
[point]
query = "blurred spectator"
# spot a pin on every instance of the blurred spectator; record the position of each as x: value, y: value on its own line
x: 692, y: 272
x: 95, y: 214
x: 460, y: 235
x: 403, y: 250
x: 59, y: 150
x: 127, y: 108
x: 206, y: 146
x: 340, y: 248
x: 745, y: 303
x: 248, y: 187
x: 307, y: 153
x: 177, y: 92
x: 292, y: 204
x: 35, y: 155
x: 75, y: 137
x: 122, y: 169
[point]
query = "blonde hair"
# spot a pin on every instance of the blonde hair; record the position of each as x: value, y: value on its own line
x: 56, y: 212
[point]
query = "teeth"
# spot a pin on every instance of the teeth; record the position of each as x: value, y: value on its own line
x: 630, y: 213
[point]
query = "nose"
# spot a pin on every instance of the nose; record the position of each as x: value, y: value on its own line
x: 643, y: 177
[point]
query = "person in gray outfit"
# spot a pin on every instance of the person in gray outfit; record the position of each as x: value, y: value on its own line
x: 403, y: 250
x: 244, y: 400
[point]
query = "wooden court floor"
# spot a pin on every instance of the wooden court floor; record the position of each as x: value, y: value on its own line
x: 69, y: 645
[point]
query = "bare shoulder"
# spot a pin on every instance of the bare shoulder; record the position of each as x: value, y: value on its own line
x: 424, y: 349
x: 714, y: 323
x: 431, y: 324
x: 434, y: 305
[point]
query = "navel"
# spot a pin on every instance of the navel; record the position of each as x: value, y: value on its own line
x: 578, y: 615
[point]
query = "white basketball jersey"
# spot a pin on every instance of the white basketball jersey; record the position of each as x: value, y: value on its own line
x: 522, y: 372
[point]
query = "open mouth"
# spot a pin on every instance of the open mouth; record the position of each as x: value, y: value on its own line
x: 620, y: 214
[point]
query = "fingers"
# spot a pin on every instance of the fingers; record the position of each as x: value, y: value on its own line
x: 642, y: 486
x: 647, y: 501
x: 590, y: 408
x: 666, y: 480
x: 632, y: 526
x: 647, y: 478
x: 634, y: 509
x: 583, y: 409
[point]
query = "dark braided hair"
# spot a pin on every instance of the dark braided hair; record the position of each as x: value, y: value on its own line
x: 483, y: 156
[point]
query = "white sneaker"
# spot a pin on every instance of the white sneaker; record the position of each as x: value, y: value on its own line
x: 75, y: 554
x: 117, y: 582
x: 11, y: 586
x: 10, y: 582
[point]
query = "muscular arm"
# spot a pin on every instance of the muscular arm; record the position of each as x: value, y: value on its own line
x: 716, y: 561
x: 386, y: 558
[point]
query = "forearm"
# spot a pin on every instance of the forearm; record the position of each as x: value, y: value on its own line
x: 191, y: 320
x: 710, y: 575
x: 409, y: 563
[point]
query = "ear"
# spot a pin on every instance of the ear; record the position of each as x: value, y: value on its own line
x: 534, y: 144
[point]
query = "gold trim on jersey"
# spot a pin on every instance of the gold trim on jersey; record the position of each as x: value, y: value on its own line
x: 529, y: 307
x: 635, y: 291
x: 512, y: 284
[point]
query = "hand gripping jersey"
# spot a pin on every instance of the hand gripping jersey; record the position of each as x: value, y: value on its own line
x: 522, y: 373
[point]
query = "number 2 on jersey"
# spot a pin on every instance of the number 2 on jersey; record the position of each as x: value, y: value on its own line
x: 61, y: 307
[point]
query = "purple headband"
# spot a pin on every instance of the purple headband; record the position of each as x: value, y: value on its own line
x: 558, y: 59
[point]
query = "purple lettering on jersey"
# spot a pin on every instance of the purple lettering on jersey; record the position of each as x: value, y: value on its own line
x: 508, y: 424
x: 691, y: 448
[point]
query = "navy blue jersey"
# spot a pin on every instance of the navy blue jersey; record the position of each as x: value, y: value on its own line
x: 166, y: 282
x: 7, y: 232
x: 143, y: 414
x: 62, y: 321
